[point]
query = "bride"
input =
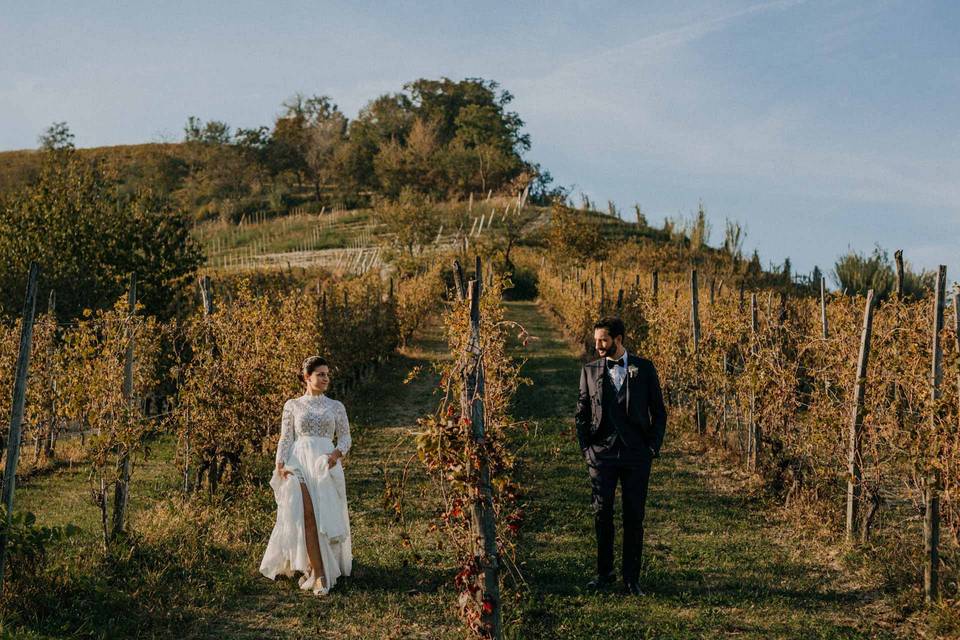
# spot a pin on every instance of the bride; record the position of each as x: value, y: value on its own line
x: 312, y: 533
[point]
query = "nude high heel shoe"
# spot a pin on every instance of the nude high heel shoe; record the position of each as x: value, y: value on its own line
x: 308, y: 581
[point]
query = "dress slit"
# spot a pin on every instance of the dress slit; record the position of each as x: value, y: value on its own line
x: 311, y: 534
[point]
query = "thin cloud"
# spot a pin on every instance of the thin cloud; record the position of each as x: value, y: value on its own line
x: 650, y: 101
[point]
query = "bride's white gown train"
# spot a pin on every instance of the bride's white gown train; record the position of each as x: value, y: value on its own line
x: 308, y: 428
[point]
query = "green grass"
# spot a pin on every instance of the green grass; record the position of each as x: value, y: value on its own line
x: 283, y: 234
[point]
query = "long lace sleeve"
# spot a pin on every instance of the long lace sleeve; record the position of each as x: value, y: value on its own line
x: 343, y: 430
x: 287, y: 434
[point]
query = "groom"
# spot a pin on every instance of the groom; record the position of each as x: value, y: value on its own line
x: 621, y: 421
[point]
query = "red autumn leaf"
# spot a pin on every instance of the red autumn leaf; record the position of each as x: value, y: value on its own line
x: 487, y: 606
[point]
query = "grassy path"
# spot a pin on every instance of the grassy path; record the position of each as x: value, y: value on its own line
x: 715, y: 565
x: 401, y: 584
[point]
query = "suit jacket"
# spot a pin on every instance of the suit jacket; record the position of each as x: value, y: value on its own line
x: 646, y: 413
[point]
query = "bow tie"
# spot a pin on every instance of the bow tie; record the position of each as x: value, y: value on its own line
x: 614, y: 363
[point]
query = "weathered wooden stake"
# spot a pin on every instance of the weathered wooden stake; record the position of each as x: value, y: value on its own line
x: 19, y: 401
x: 701, y: 418
x: 931, y: 519
x: 931, y: 537
x: 753, y: 427
x: 603, y: 287
x: 722, y: 429
x: 472, y: 405
x: 854, y: 463
x: 898, y: 259
x: 49, y: 436
x: 121, y: 493
x: 655, y: 284
x: 956, y: 337
x: 823, y: 307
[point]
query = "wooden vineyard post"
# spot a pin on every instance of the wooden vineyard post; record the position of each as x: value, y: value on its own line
x: 898, y: 259
x: 931, y: 488
x: 458, y: 280
x: 956, y: 337
x: 722, y: 427
x: 472, y: 404
x: 19, y: 401
x: 854, y: 468
x: 45, y: 437
x: 823, y: 307
x: 121, y: 493
x: 603, y: 288
x: 654, y: 284
x: 931, y: 537
x: 206, y: 296
x: 753, y: 427
x: 479, y: 278
x: 695, y: 329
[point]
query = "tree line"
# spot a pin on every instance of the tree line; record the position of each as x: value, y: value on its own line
x: 441, y: 138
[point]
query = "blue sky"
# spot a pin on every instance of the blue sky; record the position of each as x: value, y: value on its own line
x: 818, y: 125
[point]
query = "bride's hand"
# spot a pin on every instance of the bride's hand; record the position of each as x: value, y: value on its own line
x: 333, y: 458
x: 284, y: 473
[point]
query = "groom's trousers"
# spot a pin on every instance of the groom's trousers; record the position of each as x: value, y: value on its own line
x: 633, y: 476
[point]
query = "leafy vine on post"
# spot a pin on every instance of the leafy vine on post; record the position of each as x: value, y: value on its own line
x: 464, y: 446
x: 484, y: 520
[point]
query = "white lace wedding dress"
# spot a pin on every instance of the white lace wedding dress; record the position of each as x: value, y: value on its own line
x: 308, y: 428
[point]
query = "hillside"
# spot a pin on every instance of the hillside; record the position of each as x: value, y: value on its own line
x: 126, y: 162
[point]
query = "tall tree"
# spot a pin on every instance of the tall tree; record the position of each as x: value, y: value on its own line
x: 57, y: 137
x: 87, y: 238
x: 308, y: 134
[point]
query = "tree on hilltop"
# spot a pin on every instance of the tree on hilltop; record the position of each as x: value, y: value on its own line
x: 57, y: 137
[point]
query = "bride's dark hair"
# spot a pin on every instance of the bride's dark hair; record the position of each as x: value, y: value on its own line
x: 311, y: 364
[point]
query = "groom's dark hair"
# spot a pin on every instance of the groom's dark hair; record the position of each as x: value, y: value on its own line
x: 612, y: 324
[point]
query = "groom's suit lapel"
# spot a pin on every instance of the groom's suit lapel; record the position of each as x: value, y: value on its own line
x: 628, y: 381
x: 598, y: 379
x: 601, y: 372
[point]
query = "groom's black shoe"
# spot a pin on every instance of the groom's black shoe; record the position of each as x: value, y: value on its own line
x: 602, y: 582
x: 633, y: 589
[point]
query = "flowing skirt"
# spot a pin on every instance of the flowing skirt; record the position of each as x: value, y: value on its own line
x: 286, y: 551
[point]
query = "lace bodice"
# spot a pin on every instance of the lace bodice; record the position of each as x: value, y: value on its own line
x: 313, y: 416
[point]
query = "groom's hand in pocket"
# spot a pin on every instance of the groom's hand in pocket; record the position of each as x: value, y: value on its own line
x: 588, y: 457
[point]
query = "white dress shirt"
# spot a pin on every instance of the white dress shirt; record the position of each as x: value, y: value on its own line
x: 619, y: 373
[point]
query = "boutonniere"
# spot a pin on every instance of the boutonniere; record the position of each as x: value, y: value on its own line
x: 633, y: 371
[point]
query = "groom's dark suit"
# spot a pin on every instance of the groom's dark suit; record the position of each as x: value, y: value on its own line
x: 619, y: 433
